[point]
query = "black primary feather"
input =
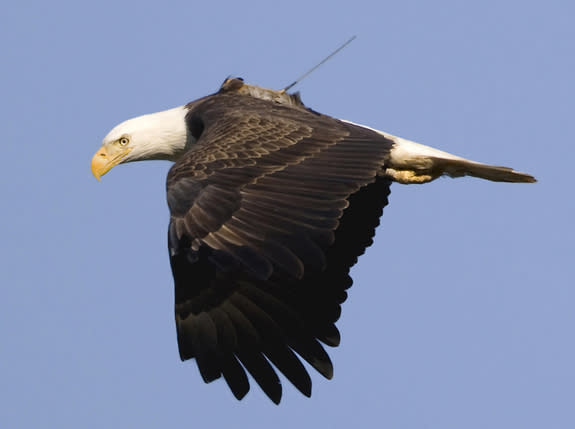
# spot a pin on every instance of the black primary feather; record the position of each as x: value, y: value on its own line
x: 270, y: 208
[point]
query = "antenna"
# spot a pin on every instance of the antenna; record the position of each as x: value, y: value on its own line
x: 303, y: 76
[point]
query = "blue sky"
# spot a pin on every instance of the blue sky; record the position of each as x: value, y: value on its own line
x: 461, y: 315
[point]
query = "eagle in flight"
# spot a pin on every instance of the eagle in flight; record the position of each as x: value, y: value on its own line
x: 271, y: 203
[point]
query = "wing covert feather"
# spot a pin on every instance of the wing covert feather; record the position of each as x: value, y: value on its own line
x: 270, y: 208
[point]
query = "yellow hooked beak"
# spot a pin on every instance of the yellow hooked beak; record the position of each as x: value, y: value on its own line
x: 108, y: 157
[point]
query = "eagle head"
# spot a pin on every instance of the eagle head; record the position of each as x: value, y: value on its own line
x: 160, y: 135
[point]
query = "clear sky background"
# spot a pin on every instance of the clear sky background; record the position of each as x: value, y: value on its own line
x: 462, y: 314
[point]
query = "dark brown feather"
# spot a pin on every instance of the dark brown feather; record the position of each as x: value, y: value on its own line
x: 270, y: 208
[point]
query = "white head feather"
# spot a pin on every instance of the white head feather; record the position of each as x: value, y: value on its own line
x: 161, y: 135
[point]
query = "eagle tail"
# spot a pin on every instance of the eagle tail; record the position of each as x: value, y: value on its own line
x: 411, y: 162
x: 495, y: 173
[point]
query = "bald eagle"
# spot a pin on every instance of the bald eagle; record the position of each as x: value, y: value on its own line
x: 271, y: 203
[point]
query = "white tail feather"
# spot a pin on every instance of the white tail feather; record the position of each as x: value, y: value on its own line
x: 411, y: 162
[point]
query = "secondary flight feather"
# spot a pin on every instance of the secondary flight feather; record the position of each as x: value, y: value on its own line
x: 271, y: 204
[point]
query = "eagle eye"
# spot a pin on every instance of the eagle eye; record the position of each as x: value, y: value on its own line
x: 123, y: 141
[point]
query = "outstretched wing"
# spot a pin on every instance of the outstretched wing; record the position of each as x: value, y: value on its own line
x: 270, y: 208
